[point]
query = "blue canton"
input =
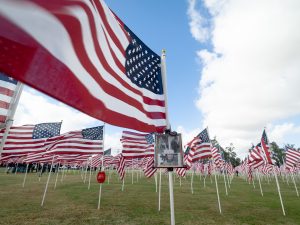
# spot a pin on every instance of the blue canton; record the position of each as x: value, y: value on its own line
x: 143, y: 65
x: 46, y: 130
x: 149, y: 138
x: 94, y: 133
x: 107, y: 152
x: 7, y: 79
x: 265, y: 138
x: 203, y: 136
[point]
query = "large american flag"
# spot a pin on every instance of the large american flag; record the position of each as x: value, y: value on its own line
x: 7, y: 89
x: 86, y: 142
x: 137, y: 145
x: 26, y: 139
x: 82, y: 54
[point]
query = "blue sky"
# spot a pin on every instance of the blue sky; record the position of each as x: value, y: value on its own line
x: 231, y: 65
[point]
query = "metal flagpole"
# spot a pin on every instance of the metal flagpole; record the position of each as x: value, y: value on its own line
x: 295, y: 184
x: 278, y: 188
x: 102, y: 167
x: 159, y: 190
x: 57, y: 172
x: 192, y: 179
x: 11, y: 112
x: 25, y: 175
x: 168, y: 127
x: 46, y: 188
x: 91, y: 163
x: 225, y: 181
x: 261, y: 191
x: 218, y: 194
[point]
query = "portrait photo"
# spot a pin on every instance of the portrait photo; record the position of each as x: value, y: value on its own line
x: 168, y: 150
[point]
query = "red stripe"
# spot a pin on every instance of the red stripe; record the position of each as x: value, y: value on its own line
x: 70, y: 90
x: 6, y: 91
x: 2, y: 119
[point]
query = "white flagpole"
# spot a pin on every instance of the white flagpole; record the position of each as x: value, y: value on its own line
x: 168, y: 126
x: 87, y: 164
x: 192, y: 179
x: 295, y: 184
x: 278, y: 188
x: 46, y: 188
x: 11, y: 112
x: 159, y: 190
x: 90, y: 173
x: 225, y: 182
x: 132, y: 171
x: 155, y: 178
x: 102, y: 168
x: 171, y: 198
x: 57, y: 172
x: 218, y: 194
x: 26, y: 176
x: 261, y: 191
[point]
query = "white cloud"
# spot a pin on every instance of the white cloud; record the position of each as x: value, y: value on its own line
x: 250, y: 78
x: 35, y: 108
x: 197, y: 23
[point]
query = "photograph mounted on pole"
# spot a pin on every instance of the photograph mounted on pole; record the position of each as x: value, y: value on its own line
x: 168, y: 150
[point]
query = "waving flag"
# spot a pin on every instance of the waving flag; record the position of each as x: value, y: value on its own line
x: 292, y: 157
x: 86, y: 57
x: 26, y: 139
x: 7, y: 89
x: 200, y: 147
x: 266, y: 147
x: 137, y: 145
x: 86, y: 142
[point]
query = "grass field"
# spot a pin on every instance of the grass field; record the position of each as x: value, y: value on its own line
x: 72, y: 203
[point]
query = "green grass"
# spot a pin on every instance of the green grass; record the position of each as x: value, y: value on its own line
x: 73, y: 203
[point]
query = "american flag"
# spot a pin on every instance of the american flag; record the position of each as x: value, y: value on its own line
x: 200, y: 147
x: 149, y: 170
x: 266, y: 147
x: 85, y: 142
x: 87, y: 58
x: 291, y: 158
x: 107, y: 152
x: 256, y: 157
x: 29, y: 138
x: 121, y: 167
x: 7, y: 88
x: 216, y: 155
x: 137, y: 145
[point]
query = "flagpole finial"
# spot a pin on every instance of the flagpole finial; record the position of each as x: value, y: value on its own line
x: 163, y: 51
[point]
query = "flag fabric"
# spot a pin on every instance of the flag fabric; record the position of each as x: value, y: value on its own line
x: 87, y: 58
x: 85, y: 142
x: 149, y: 170
x: 216, y: 155
x: 107, y: 152
x: 7, y: 88
x: 266, y: 147
x: 200, y: 147
x: 291, y: 158
x: 29, y: 138
x: 137, y: 145
x: 121, y: 167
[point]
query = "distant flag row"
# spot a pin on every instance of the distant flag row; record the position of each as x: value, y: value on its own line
x: 45, y: 138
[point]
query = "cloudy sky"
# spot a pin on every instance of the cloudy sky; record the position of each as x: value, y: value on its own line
x: 233, y: 66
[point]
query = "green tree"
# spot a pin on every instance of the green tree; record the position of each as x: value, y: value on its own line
x: 278, y: 153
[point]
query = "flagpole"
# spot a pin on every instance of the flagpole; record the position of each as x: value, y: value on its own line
x: 46, y: 188
x: 102, y: 164
x: 168, y: 127
x: 11, y: 113
x: 159, y: 189
x: 278, y: 188
x: 57, y: 172
x: 26, y: 176
x: 91, y: 163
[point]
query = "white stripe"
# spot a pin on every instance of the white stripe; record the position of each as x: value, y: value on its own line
x: 7, y: 85
x: 61, y: 47
x: 3, y: 112
x: 5, y: 98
